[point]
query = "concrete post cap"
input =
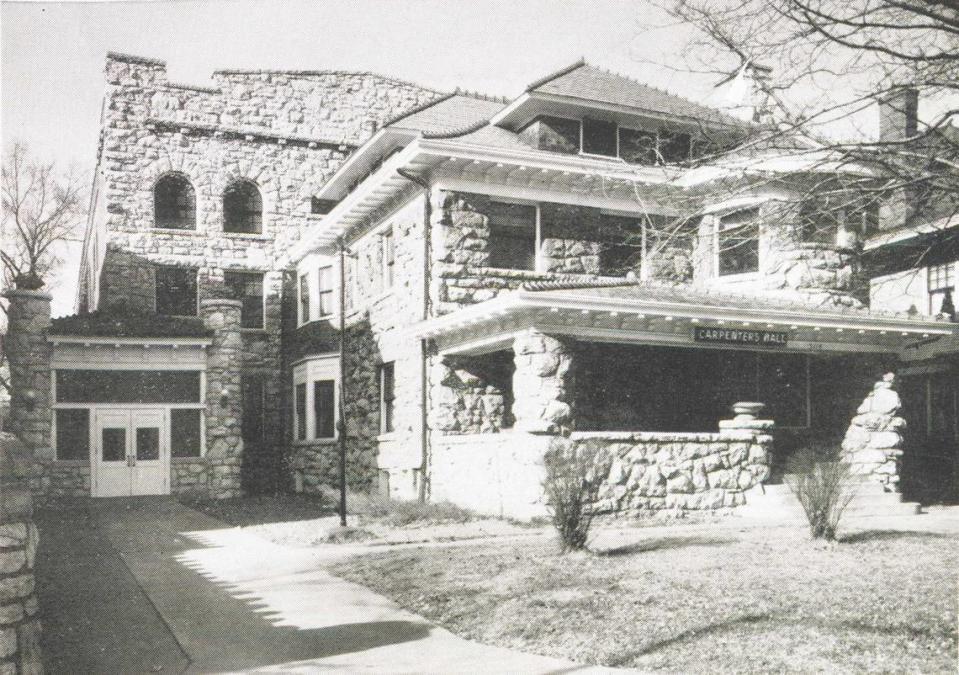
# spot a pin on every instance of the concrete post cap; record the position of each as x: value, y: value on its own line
x: 24, y: 293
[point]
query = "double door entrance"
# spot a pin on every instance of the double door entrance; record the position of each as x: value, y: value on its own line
x: 131, y: 452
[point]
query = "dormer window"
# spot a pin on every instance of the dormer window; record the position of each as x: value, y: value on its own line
x: 599, y: 138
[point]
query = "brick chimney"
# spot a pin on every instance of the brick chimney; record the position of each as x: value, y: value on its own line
x: 898, y: 114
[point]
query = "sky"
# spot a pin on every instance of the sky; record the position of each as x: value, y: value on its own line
x: 53, y: 54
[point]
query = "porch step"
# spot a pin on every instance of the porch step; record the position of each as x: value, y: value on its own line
x: 777, y: 503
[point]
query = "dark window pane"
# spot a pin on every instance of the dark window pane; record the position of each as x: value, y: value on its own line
x: 113, y: 445
x: 323, y: 408
x: 739, y: 243
x: 128, y: 386
x: 176, y: 291
x: 299, y: 395
x: 326, y: 291
x: 185, y: 428
x: 556, y: 135
x: 387, y: 387
x: 512, y: 243
x: 73, y: 434
x: 242, y: 208
x: 174, y: 203
x: 599, y: 137
x: 254, y: 419
x: 319, y: 207
x: 673, y: 146
x: 247, y: 287
x: 148, y: 443
x: 783, y: 383
x: 638, y: 147
x: 304, y: 298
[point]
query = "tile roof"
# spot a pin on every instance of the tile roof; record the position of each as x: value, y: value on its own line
x: 678, y: 294
x: 584, y: 81
x: 128, y: 321
x: 449, y: 115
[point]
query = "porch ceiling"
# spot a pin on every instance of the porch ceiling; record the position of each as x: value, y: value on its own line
x: 586, y: 316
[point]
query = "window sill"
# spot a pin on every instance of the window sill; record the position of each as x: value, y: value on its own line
x: 176, y: 230
x: 247, y: 235
x: 744, y: 276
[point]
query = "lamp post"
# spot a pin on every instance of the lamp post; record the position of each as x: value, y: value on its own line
x: 342, y: 420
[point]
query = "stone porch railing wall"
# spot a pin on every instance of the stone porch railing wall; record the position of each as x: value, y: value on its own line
x: 657, y: 471
x: 873, y: 443
x: 19, y: 611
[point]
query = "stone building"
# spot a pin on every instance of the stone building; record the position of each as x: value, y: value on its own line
x: 570, y: 266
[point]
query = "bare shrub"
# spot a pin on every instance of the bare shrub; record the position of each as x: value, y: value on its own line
x: 824, y: 487
x: 574, y: 478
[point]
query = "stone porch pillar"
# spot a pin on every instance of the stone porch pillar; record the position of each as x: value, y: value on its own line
x: 542, y: 384
x: 224, y: 397
x: 28, y: 353
x: 873, y: 442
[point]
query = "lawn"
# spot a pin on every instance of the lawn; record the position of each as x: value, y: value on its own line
x: 694, y: 599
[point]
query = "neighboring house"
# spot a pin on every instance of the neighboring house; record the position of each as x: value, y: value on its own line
x: 571, y: 264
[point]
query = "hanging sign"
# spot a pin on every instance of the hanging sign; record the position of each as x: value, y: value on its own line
x: 740, y: 336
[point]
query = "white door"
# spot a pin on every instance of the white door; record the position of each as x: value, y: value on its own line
x: 131, y: 453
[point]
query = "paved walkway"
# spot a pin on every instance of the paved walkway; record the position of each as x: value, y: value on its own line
x: 158, y: 586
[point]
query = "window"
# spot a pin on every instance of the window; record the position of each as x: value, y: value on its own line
x: 304, y: 298
x: 638, y: 147
x: 299, y: 406
x: 325, y: 292
x: 673, y: 146
x: 512, y: 243
x: 174, y: 203
x: 389, y: 258
x: 176, y: 291
x: 599, y: 137
x: 73, y: 434
x: 324, y: 409
x: 386, y: 397
x: 320, y: 207
x: 738, y: 243
x: 942, y: 282
x: 242, y: 208
x: 247, y: 287
x: 185, y: 435
x: 128, y: 386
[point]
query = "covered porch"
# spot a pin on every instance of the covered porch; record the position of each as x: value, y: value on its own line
x: 652, y: 373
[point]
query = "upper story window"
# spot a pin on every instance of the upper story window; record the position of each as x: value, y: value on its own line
x: 325, y: 290
x: 247, y: 287
x: 304, y: 288
x: 174, y: 203
x: 942, y: 282
x: 176, y: 291
x: 242, y: 208
x: 389, y: 258
x: 387, y: 396
x: 599, y: 138
x: 738, y: 243
x: 512, y: 241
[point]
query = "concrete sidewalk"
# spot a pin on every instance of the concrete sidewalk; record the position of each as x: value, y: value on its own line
x: 237, y: 603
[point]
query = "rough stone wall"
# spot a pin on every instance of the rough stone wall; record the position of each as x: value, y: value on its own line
x: 653, y: 471
x: 471, y: 395
x: 873, y: 442
x: 542, y: 383
x: 19, y: 610
x: 189, y: 476
x: 224, y: 399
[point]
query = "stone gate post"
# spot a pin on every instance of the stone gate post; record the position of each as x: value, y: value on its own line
x: 224, y: 397
x: 542, y: 384
x: 873, y: 441
x: 28, y: 352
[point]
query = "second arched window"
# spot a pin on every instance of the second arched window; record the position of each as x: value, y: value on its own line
x: 242, y: 208
x: 174, y: 203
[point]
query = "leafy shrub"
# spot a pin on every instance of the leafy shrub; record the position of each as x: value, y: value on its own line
x: 824, y: 487
x: 574, y: 478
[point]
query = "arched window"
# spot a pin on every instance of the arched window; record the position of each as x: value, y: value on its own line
x: 242, y: 208
x: 174, y: 203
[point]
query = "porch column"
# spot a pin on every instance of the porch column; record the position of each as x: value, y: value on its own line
x: 873, y: 442
x: 542, y: 384
x: 224, y: 397
x: 28, y: 352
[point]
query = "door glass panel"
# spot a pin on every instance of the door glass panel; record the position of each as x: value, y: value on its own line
x: 148, y: 443
x: 113, y: 446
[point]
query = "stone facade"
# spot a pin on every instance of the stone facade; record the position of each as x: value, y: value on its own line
x: 472, y: 396
x: 224, y: 400
x: 19, y: 610
x: 542, y: 383
x: 873, y: 442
